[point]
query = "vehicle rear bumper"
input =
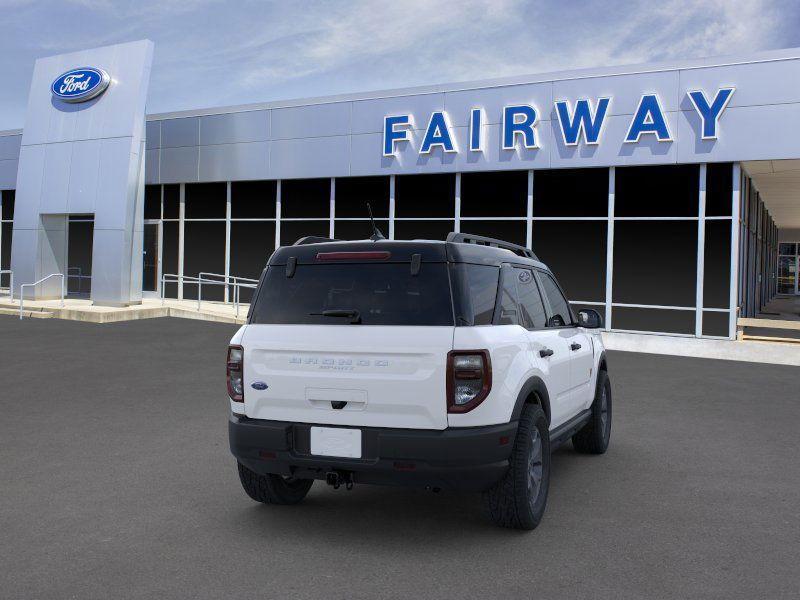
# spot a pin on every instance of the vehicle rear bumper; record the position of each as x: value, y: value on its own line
x: 469, y: 459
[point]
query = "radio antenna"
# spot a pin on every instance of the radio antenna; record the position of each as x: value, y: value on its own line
x: 376, y: 233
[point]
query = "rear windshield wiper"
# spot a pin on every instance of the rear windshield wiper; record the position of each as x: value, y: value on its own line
x: 352, y: 314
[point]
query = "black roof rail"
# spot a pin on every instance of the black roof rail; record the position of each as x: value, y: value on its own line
x: 480, y: 240
x: 313, y: 239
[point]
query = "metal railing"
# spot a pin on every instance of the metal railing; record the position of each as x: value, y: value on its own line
x: 232, y: 281
x: 229, y: 280
x: 34, y: 284
x: 10, y: 274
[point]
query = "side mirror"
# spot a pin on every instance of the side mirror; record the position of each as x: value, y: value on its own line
x: 590, y: 319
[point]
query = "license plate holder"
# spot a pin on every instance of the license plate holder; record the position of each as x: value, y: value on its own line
x: 341, y: 442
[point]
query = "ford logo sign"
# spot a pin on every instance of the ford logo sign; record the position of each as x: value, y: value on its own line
x: 259, y: 385
x: 80, y: 85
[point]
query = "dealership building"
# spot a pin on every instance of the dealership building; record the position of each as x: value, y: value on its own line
x: 666, y: 196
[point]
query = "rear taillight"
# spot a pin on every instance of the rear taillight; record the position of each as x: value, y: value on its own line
x: 469, y: 379
x: 235, y: 369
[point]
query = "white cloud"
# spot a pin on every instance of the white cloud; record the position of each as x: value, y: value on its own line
x: 212, y: 52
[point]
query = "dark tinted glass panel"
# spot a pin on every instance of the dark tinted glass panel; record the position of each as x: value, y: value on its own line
x: 5, y: 248
x: 152, y: 202
x: 570, y: 193
x: 509, y: 308
x: 655, y: 262
x: 204, y: 250
x: 425, y: 196
x: 380, y: 294
x: 205, y: 200
x: 719, y: 189
x: 716, y: 323
x: 252, y: 243
x: 664, y: 191
x: 576, y: 252
x: 353, y: 193
x: 79, y: 257
x: 306, y: 198
x: 172, y: 199
x: 291, y: 231
x: 253, y: 199
x: 501, y: 194
x: 8, y: 204
x: 786, y: 249
x: 652, y: 319
x: 422, y: 230
x: 509, y: 231
x: 530, y: 300
x: 560, y: 313
x: 475, y: 293
x: 169, y: 255
x: 358, y: 230
x: 717, y: 269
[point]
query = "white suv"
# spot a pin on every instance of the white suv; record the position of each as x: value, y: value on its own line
x: 444, y: 365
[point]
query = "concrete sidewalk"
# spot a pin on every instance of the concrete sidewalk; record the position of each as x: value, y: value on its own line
x: 83, y: 310
x: 777, y: 353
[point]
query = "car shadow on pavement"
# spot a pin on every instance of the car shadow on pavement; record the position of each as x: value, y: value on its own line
x: 384, y: 512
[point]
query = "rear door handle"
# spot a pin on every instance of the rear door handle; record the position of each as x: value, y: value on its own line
x: 575, y: 346
x: 545, y: 352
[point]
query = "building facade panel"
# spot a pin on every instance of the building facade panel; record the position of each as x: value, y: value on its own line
x: 234, y: 162
x: 235, y: 128
x: 746, y: 133
x: 177, y: 133
x: 153, y: 134
x: 315, y: 120
x: 8, y: 174
x: 179, y: 165
x: 311, y: 157
x: 9, y: 146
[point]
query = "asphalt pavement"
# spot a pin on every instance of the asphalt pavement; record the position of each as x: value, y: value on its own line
x: 116, y: 482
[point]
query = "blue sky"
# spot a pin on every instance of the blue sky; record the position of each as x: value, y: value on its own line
x: 212, y: 53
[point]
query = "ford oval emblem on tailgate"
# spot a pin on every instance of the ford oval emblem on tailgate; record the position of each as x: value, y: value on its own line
x: 259, y: 385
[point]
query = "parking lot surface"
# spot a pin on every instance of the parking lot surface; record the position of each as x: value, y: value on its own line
x: 116, y: 482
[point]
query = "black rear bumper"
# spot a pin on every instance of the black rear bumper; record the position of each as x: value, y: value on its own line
x: 470, y: 459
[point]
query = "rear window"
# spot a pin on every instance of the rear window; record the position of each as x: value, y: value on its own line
x: 380, y: 293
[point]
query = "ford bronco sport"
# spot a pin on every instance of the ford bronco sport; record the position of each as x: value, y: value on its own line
x: 444, y: 365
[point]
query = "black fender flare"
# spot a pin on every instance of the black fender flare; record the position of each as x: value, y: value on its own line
x: 602, y: 365
x: 534, y: 385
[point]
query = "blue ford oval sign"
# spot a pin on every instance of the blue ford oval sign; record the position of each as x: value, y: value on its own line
x: 80, y: 85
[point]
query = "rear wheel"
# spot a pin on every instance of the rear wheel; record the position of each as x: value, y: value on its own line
x: 595, y: 435
x: 273, y: 489
x: 519, y: 499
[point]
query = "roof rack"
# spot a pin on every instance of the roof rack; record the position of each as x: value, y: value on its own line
x: 313, y: 239
x: 468, y: 238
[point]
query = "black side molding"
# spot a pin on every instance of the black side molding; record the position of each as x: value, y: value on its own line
x: 564, y: 432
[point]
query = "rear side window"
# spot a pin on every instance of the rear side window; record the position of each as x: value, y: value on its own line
x: 475, y: 293
x: 561, y: 314
x: 508, y: 298
x: 530, y: 300
x: 380, y: 294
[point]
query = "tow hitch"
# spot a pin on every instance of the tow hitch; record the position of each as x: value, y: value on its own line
x: 339, y: 478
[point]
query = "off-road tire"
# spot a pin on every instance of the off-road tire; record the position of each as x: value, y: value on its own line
x: 596, y: 434
x: 514, y: 501
x: 273, y: 489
